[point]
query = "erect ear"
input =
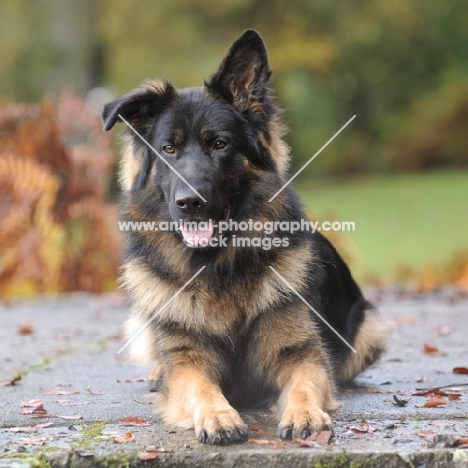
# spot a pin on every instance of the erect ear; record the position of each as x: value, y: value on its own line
x: 139, y: 106
x: 243, y: 73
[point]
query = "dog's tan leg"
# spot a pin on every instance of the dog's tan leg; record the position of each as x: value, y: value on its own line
x: 306, y: 395
x: 194, y: 400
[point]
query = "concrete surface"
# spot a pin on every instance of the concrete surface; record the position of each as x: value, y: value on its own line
x: 69, y: 344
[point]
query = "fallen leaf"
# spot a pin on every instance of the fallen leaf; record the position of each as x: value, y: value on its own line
x: 148, y: 455
x: 460, y: 370
x: 432, y: 350
x: 41, y: 441
x: 462, y: 441
x: 143, y: 402
x: 134, y: 421
x: 258, y: 430
x: 28, y: 429
x: 152, y: 452
x: 31, y: 403
x: 124, y: 438
x: 71, y: 403
x: 38, y: 411
x: 381, y: 390
x: 73, y: 416
x: 9, y: 383
x: 25, y: 329
x: 363, y: 427
x: 258, y: 441
x: 454, y: 397
x: 435, y: 400
x: 430, y: 391
x: 426, y: 434
x: 323, y: 437
x: 95, y: 392
x: 43, y: 425
x: 440, y: 423
x: 142, y: 379
x: 56, y: 391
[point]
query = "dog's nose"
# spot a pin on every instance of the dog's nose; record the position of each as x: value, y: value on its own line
x: 187, y: 200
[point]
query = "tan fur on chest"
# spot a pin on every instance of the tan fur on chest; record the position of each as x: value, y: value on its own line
x: 197, y: 308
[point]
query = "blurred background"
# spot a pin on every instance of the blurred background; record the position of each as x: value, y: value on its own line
x: 400, y: 170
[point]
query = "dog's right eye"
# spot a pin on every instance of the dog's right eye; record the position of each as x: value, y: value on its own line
x: 169, y: 149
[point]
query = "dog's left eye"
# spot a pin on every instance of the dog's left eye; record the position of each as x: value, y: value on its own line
x: 219, y: 144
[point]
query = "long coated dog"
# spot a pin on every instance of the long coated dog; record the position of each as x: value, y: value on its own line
x: 232, y: 324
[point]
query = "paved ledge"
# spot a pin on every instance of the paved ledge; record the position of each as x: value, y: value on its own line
x: 69, y: 361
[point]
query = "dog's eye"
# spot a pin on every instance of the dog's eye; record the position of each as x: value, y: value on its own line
x: 169, y: 149
x: 220, y: 144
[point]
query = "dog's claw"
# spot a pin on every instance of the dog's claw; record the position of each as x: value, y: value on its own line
x: 285, y: 433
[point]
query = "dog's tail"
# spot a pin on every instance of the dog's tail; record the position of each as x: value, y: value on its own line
x: 369, y: 343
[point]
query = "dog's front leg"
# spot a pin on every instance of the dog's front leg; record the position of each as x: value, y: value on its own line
x: 305, y: 396
x: 193, y: 395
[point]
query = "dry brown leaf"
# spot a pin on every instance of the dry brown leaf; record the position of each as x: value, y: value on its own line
x: 31, y: 441
x: 152, y: 452
x: 363, y: 427
x: 56, y: 391
x: 258, y: 441
x: 441, y: 423
x: 124, y: 438
x: 43, y: 425
x: 460, y: 370
x: 134, y: 421
x: 31, y: 403
x: 38, y: 411
x: 426, y: 434
x: 432, y: 350
x: 454, y: 397
x: 435, y: 400
x: 28, y: 429
x: 94, y: 392
x: 148, y: 455
x: 430, y: 391
x: 10, y: 383
x: 258, y: 430
x: 71, y: 417
x: 25, y: 329
x: 71, y: 403
x: 142, y: 379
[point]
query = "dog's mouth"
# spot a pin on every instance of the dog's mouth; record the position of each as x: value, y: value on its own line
x: 197, y: 233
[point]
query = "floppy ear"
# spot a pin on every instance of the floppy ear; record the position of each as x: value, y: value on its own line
x: 139, y: 106
x: 243, y: 73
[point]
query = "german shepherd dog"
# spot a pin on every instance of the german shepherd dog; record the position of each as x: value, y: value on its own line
x: 237, y: 335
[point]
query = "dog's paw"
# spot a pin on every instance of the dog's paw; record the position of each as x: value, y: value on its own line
x: 221, y: 427
x: 300, y: 422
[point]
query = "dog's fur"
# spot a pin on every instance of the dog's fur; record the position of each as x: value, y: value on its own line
x: 236, y: 336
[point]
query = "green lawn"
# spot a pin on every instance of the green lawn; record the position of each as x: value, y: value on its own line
x: 414, y: 219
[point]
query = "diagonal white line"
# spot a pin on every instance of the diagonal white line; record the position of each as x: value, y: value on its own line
x: 157, y: 153
x: 312, y: 158
x: 161, y: 309
x: 312, y: 309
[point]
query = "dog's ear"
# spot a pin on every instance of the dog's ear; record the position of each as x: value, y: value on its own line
x: 140, y: 106
x: 243, y: 73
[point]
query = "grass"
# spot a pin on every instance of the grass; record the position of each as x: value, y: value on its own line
x: 401, y: 220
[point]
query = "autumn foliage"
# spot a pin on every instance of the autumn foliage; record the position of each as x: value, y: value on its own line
x: 57, y: 231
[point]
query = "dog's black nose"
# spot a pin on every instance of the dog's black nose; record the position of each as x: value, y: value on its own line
x: 187, y: 200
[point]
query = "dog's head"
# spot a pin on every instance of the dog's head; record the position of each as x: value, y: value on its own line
x: 204, y: 143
